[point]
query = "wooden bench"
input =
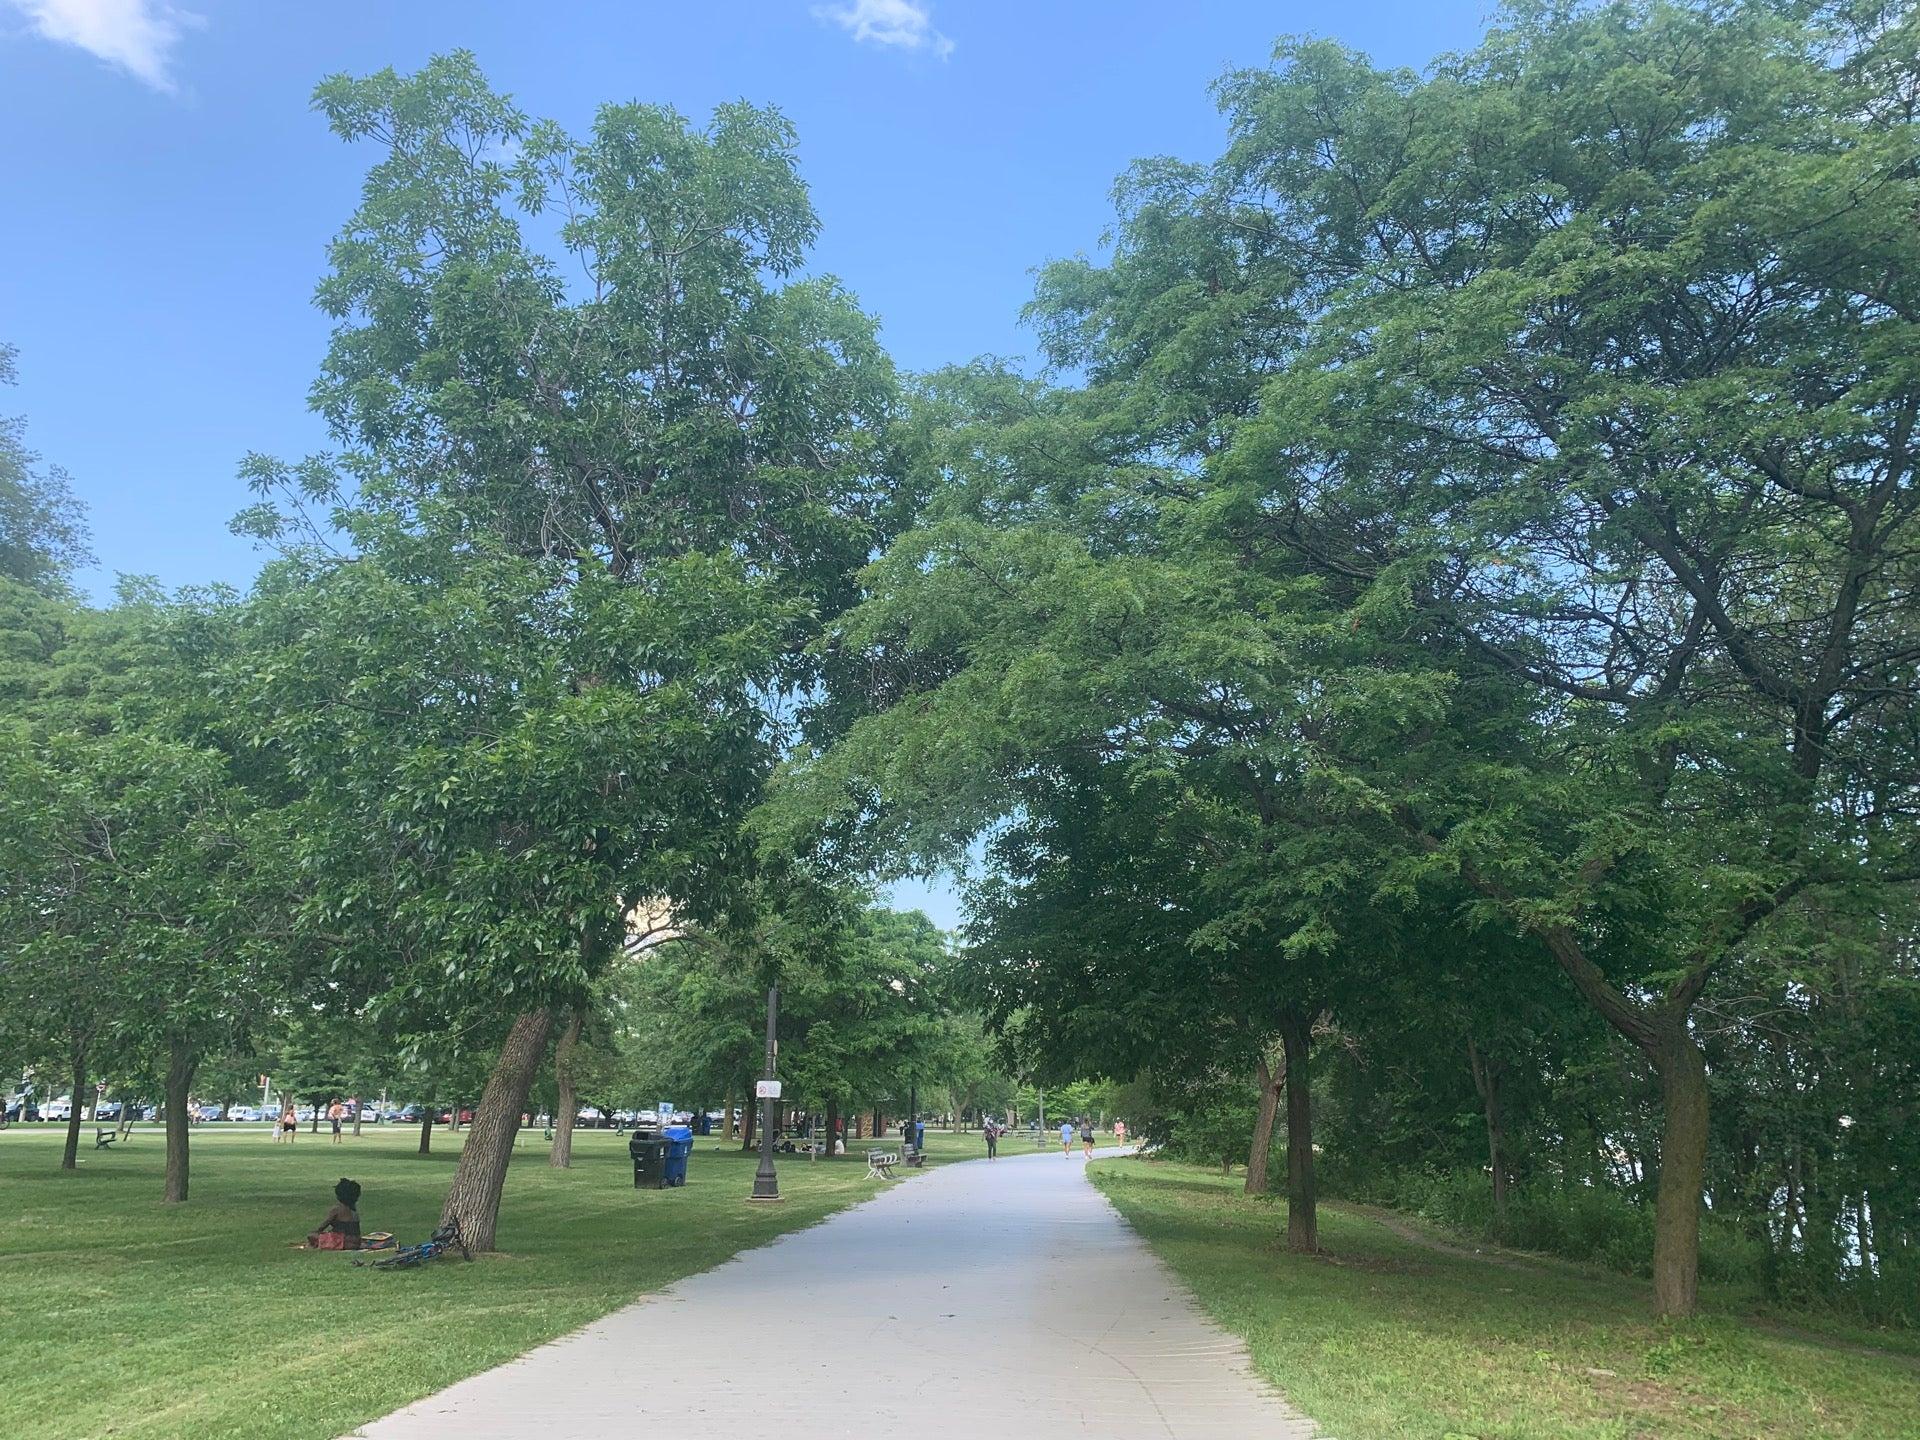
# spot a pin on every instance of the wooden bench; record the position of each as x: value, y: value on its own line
x: 104, y: 1139
x: 880, y: 1164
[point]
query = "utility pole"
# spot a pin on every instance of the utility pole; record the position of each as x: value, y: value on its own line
x: 766, y: 1184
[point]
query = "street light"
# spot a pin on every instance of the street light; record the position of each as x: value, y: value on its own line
x: 766, y: 1184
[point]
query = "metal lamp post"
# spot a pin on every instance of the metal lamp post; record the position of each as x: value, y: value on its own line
x: 766, y: 1184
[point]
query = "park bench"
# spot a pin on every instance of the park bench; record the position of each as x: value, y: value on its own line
x: 880, y: 1164
x: 104, y: 1139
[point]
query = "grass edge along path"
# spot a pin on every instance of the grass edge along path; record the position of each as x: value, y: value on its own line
x: 121, y: 1316
x: 1383, y: 1338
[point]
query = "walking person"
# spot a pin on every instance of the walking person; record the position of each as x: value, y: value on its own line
x: 336, y: 1112
x: 289, y: 1122
x: 993, y: 1139
x: 1086, y: 1136
x: 1066, y: 1139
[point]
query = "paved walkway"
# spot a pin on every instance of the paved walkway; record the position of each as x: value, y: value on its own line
x: 1004, y: 1300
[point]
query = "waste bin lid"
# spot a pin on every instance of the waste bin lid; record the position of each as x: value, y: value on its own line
x: 678, y: 1132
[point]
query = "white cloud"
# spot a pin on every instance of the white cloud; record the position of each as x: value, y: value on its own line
x: 136, y: 35
x: 900, y: 23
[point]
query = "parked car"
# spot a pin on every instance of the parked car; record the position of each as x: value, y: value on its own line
x: 411, y: 1114
x: 61, y: 1109
x: 21, y: 1108
x: 208, y: 1111
x: 245, y: 1113
x: 589, y: 1117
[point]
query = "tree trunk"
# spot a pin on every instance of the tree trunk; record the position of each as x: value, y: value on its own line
x: 1303, y: 1225
x: 726, y: 1115
x: 833, y: 1124
x: 70, y: 1157
x: 1683, y: 1162
x: 474, y: 1197
x: 1259, y: 1154
x: 180, y: 1063
x: 358, y: 1110
x: 560, y: 1157
x: 1486, y: 1080
x: 426, y: 1132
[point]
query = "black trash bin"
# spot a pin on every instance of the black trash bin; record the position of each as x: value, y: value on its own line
x: 649, y: 1152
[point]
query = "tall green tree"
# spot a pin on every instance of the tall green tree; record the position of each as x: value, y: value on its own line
x: 597, y: 499
x: 1597, y: 389
x: 129, y: 904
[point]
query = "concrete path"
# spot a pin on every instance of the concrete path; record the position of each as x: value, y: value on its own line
x: 1004, y: 1300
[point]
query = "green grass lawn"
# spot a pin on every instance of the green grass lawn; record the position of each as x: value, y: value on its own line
x: 122, y: 1316
x: 1384, y: 1339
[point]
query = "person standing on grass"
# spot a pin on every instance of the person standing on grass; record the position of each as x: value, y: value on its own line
x: 1086, y: 1136
x: 336, y: 1112
x: 993, y: 1139
x: 289, y: 1122
x: 1066, y: 1139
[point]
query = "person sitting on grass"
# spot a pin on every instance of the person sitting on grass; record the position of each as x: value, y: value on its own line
x: 343, y: 1220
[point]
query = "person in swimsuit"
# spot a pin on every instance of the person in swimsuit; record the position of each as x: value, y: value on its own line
x: 343, y: 1219
x: 289, y: 1122
x: 336, y: 1112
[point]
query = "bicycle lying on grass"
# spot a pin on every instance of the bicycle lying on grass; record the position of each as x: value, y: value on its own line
x: 406, y: 1257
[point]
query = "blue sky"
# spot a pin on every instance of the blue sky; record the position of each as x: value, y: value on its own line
x: 168, y: 193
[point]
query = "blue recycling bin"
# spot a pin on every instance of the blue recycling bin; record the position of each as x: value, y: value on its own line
x: 679, y: 1140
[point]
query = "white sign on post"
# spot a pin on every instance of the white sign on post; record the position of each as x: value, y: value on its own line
x: 766, y: 1089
